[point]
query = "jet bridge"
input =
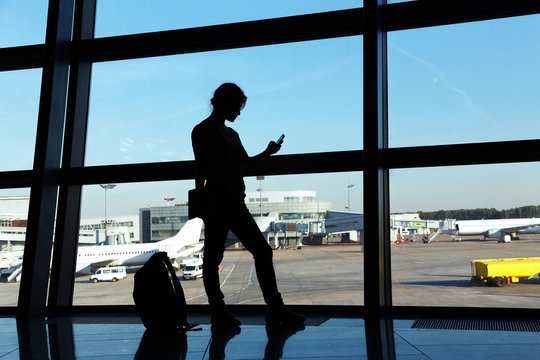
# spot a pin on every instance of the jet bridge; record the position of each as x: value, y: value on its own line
x: 444, y: 226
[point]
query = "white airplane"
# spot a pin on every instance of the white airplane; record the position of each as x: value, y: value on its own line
x: 495, y: 228
x: 184, y: 243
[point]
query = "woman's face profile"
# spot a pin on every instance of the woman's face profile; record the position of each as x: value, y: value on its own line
x: 232, y: 111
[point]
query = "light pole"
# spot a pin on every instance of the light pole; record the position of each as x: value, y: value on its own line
x: 106, y: 187
x: 260, y: 178
x: 349, y: 186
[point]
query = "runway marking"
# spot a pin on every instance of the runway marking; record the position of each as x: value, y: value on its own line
x: 302, y: 295
x: 249, y: 280
x: 227, y: 277
x: 220, y: 286
x: 245, y: 287
x: 396, y: 280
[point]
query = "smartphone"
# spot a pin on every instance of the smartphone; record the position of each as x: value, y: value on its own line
x: 280, y: 140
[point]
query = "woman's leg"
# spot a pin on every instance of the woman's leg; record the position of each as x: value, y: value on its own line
x: 216, y: 230
x: 246, y: 230
x: 214, y: 246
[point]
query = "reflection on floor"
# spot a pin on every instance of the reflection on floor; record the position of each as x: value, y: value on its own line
x: 124, y: 337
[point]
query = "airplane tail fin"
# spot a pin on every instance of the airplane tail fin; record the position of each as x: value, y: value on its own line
x: 188, y: 235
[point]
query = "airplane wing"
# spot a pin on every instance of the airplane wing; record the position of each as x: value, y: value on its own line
x: 88, y: 266
x: 511, y: 229
x: 518, y: 228
x: 190, y: 249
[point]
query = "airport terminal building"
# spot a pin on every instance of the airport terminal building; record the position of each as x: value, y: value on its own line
x: 297, y: 206
x: 279, y: 214
x: 283, y: 212
x: 123, y: 229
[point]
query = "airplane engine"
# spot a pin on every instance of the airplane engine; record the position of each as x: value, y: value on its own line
x: 495, y: 233
x: 87, y: 270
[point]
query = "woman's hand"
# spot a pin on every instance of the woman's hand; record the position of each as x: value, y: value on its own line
x: 272, y: 148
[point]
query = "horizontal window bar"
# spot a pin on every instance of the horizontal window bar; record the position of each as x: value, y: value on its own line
x: 228, y: 36
x: 400, y: 16
x: 395, y: 158
x: 15, y: 179
x: 21, y: 57
x: 332, y: 24
x: 417, y: 14
x: 462, y: 154
x: 183, y: 170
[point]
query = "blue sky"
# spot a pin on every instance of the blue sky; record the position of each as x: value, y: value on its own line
x: 452, y: 84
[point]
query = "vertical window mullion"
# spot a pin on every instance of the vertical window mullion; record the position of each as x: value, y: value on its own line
x: 377, y: 279
x: 69, y: 201
x: 376, y: 207
x: 45, y: 179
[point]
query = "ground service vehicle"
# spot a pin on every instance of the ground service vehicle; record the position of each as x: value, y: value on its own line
x: 504, y: 271
x: 193, y: 271
x: 113, y: 273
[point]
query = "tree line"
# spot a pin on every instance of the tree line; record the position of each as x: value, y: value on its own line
x: 528, y: 211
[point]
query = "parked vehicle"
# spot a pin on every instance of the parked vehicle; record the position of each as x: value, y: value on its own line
x: 500, y: 272
x: 193, y: 271
x: 113, y: 273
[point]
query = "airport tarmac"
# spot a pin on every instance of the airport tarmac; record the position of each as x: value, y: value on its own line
x: 436, y: 274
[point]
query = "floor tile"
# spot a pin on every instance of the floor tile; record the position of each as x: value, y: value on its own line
x: 9, y: 339
x: 488, y: 352
x: 14, y: 355
x: 343, y: 322
x: 104, y: 348
x: 403, y: 347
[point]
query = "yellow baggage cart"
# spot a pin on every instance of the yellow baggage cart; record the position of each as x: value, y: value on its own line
x: 500, y: 272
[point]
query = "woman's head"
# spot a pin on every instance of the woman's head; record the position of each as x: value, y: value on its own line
x: 228, y: 100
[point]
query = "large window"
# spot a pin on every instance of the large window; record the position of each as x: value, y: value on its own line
x: 475, y: 207
x: 13, y: 220
x: 22, y: 22
x: 473, y: 82
x: 131, y: 17
x: 19, y: 102
x: 304, y: 249
x: 457, y: 131
x: 144, y: 110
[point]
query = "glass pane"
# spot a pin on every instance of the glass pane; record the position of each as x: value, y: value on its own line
x: 483, y: 212
x: 464, y: 83
x: 309, y: 254
x: 120, y: 225
x: 144, y: 110
x: 13, y: 218
x: 22, y: 22
x: 19, y: 105
x: 123, y: 17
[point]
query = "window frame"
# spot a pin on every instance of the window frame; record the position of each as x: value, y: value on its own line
x: 67, y: 175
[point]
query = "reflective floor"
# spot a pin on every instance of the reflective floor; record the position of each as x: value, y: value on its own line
x: 124, y: 337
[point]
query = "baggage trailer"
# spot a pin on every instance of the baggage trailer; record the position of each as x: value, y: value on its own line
x: 500, y: 272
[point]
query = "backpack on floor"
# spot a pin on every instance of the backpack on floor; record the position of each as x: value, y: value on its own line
x: 159, y: 297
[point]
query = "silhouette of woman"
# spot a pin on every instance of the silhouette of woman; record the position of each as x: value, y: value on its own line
x: 221, y: 160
